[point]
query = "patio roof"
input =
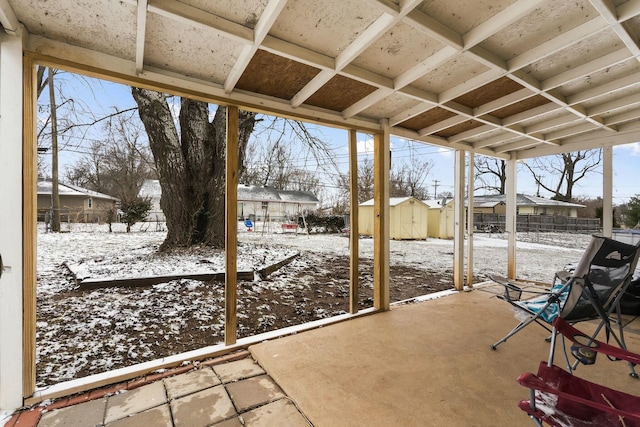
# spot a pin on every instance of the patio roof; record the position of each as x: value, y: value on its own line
x: 506, y: 78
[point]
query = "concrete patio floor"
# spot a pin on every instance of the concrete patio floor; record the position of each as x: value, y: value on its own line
x: 421, y: 364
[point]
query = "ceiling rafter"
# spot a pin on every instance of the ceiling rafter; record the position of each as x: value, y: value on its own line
x: 608, y: 11
x: 141, y: 32
x: 8, y: 18
x: 264, y: 24
x: 344, y: 58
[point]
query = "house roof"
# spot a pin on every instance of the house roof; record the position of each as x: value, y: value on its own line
x: 151, y: 188
x: 521, y: 200
x: 46, y: 188
x: 394, y: 201
x: 512, y: 79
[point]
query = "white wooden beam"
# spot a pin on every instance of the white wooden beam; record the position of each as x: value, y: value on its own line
x: 473, y: 133
x: 616, y: 104
x: 563, y: 41
x: 499, y: 21
x: 231, y: 227
x: 443, y: 124
x: 607, y: 191
x: 498, y: 139
x: 608, y: 11
x: 354, y: 236
x: 8, y: 18
x: 366, y: 102
x: 628, y: 10
x: 601, y: 63
x: 381, y: 166
x: 11, y: 232
x: 141, y: 31
x: 510, y: 217
x: 182, y: 12
x: 264, y: 24
x: 622, y: 83
x: 470, y: 224
x: 429, y: 64
x: 505, y: 101
x: 458, y: 220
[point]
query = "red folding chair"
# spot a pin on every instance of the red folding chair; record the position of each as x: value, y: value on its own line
x: 559, y: 398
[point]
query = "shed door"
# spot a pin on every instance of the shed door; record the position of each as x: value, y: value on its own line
x: 408, y: 221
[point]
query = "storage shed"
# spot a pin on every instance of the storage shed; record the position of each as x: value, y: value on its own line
x: 407, y: 216
x: 440, y: 218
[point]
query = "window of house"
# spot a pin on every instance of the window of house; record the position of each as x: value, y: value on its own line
x: 90, y: 203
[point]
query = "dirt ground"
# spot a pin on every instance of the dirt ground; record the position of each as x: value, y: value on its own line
x: 138, y: 324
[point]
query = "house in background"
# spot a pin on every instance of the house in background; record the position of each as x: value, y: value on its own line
x: 151, y: 190
x: 494, y: 207
x: 263, y: 202
x: 254, y: 202
x: 77, y: 204
x: 408, y: 218
x: 525, y: 205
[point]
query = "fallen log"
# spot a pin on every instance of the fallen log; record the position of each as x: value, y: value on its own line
x: 88, y: 283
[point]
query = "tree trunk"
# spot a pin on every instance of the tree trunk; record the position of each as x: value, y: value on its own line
x: 190, y: 166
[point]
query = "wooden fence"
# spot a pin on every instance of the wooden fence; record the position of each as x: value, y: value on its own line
x: 543, y: 223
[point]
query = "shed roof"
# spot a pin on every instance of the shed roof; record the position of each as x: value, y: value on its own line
x: 508, y: 78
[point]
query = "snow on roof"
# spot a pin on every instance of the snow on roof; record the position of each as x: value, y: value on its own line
x: 393, y: 201
x: 46, y: 187
x: 298, y: 196
x: 151, y: 188
x: 524, y: 200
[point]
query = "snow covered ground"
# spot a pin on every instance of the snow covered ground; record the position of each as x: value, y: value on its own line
x: 85, y: 332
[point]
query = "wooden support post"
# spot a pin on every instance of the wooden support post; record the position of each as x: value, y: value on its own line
x: 17, y: 244
x: 511, y: 215
x: 607, y: 192
x: 381, y: 165
x: 353, y: 222
x: 458, y: 221
x: 470, y: 225
x: 231, y: 231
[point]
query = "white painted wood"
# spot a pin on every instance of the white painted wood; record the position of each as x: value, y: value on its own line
x: 560, y: 42
x: 141, y: 32
x: 607, y: 191
x: 510, y: 220
x: 614, y: 105
x: 470, y: 224
x: 444, y: 124
x: 458, y: 220
x: 499, y: 21
x: 366, y: 102
x: 622, y: 83
x: 628, y: 10
x: 8, y: 17
x: 182, y: 12
x: 583, y: 70
x: 505, y: 101
x: 429, y: 64
x: 11, y: 244
x: 264, y: 24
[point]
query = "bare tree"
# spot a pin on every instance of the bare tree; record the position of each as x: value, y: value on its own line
x: 560, y: 173
x: 117, y: 165
x: 409, y: 179
x: 189, y: 155
x: 491, y: 173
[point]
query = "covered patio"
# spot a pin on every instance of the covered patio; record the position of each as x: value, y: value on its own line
x: 511, y: 79
x: 420, y: 363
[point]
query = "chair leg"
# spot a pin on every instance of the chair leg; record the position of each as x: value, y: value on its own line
x: 514, y: 331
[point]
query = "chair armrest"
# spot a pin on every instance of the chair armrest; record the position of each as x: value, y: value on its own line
x: 563, y: 275
x: 565, y: 384
x: 571, y: 333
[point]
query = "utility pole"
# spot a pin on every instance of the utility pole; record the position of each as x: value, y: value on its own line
x: 55, y: 196
x: 435, y: 189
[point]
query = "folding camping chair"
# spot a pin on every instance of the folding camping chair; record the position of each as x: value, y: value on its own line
x: 559, y: 398
x: 592, y: 291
